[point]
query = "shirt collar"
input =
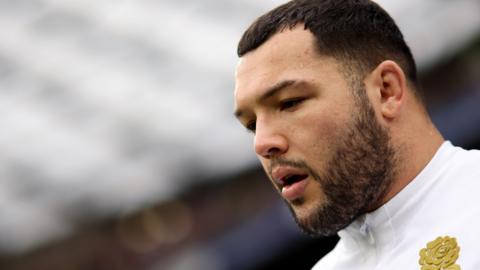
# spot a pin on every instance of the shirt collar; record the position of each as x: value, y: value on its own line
x: 384, y: 226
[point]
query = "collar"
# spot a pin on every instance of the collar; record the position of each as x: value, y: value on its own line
x: 384, y: 227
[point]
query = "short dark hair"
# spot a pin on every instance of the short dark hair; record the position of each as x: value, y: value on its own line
x: 358, y: 33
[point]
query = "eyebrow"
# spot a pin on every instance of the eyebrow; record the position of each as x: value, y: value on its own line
x: 275, y: 89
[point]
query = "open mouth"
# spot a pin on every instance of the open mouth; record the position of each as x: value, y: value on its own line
x: 293, y: 186
x: 292, y: 179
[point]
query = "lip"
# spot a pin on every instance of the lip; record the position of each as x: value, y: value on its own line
x: 279, y: 174
x: 295, y: 190
x: 290, y: 191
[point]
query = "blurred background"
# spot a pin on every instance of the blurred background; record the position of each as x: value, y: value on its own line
x: 118, y: 148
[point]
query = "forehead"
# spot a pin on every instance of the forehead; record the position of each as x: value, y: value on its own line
x: 287, y: 49
x: 288, y: 55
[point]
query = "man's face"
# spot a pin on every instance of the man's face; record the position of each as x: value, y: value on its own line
x: 319, y: 143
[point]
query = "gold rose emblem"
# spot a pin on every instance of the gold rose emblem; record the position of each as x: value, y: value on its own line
x: 440, y: 254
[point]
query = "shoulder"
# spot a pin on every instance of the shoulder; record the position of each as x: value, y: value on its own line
x: 464, y: 153
x: 468, y: 157
x: 464, y: 163
x: 338, y: 259
x: 455, y: 179
x: 327, y: 262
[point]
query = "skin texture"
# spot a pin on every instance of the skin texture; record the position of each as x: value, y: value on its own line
x: 351, y: 137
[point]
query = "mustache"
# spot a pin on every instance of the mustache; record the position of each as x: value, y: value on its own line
x: 300, y: 164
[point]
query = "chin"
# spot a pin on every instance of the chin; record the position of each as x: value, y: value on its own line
x: 317, y: 219
x: 303, y: 213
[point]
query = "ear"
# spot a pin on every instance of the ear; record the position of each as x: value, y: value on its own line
x: 389, y: 83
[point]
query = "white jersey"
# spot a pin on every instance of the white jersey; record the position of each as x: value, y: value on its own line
x: 433, y: 223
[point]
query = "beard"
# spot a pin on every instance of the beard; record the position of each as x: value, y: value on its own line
x: 357, y: 177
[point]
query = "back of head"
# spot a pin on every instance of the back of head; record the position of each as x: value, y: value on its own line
x: 358, y: 33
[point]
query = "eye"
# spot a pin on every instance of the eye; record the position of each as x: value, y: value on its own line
x: 287, y: 104
x: 251, y: 126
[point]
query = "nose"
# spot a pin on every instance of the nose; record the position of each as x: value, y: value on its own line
x: 269, y: 141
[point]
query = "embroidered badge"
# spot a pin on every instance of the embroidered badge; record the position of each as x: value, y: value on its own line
x: 440, y: 254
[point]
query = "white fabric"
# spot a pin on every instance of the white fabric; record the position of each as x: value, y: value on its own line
x: 443, y: 200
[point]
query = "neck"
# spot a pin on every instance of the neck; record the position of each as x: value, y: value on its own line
x: 413, y: 155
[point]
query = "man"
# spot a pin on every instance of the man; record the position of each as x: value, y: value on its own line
x: 330, y: 92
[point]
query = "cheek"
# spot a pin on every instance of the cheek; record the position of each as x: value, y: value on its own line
x: 317, y: 134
